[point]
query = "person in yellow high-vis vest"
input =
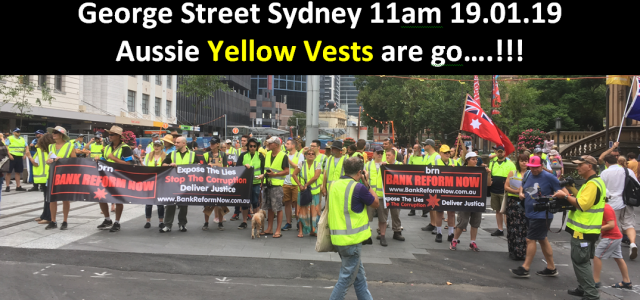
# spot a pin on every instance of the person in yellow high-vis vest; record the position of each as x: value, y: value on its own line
x: 62, y: 148
x: 444, y: 159
x: 429, y: 159
x: 584, y: 225
x: 120, y: 153
x: 334, y: 168
x: 17, y: 147
x: 154, y: 159
x: 321, y: 159
x: 182, y: 156
x: 290, y: 186
x: 348, y: 202
x: 95, y: 147
x: 306, y: 176
x: 276, y: 168
x: 41, y: 172
x: 500, y: 166
x: 252, y: 159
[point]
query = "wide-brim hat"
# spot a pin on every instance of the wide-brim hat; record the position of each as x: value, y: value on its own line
x: 65, y: 134
x: 336, y: 145
x: 168, y: 138
x: 115, y: 129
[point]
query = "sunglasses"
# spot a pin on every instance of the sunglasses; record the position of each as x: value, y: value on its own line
x: 380, y: 152
x: 253, y: 146
x: 311, y: 153
x: 112, y: 134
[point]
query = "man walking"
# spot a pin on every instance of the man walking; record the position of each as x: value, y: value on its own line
x: 17, y: 147
x: 500, y: 167
x: 349, y: 225
x: 429, y: 159
x: 182, y: 156
x: 276, y: 168
x: 416, y: 159
x: 32, y: 147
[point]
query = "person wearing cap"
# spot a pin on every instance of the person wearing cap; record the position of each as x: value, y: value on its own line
x: 467, y: 217
x: 444, y: 159
x: 17, y: 147
x: 95, y: 146
x: 32, y: 148
x: 62, y: 148
x: 543, y: 158
x: 536, y: 185
x: 182, y: 156
x: 79, y: 146
x: 500, y: 166
x: 151, y: 146
x: 169, y: 145
x: 230, y: 150
x: 276, y: 168
x: 334, y: 168
x: 429, y: 159
x: 215, y: 157
x: 154, y: 159
x: 120, y: 153
x: 290, y: 186
x: 252, y: 159
x: 584, y: 224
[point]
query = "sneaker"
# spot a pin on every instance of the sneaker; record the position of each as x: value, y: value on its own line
x: 576, y: 292
x: 165, y: 229
x: 105, y: 225
x: 234, y: 217
x: 398, y: 236
x: 33, y: 189
x: 148, y: 225
x: 115, y: 227
x: 383, y: 241
x: 520, y: 272
x: 161, y: 225
x: 439, y: 238
x: 412, y: 212
x: 20, y: 189
x: 548, y: 273
x: 453, y: 245
x: 369, y: 241
x: 378, y: 237
x: 424, y: 215
x: 205, y: 227
x: 474, y: 247
x: 633, y: 252
x: 220, y: 226
x: 498, y: 232
x: 286, y: 227
x: 52, y: 225
x: 63, y: 226
x: 182, y: 228
x: 450, y: 238
x: 7, y: 189
x: 428, y: 227
x: 434, y: 232
x: 243, y: 225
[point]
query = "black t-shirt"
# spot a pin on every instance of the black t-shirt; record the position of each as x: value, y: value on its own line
x: 193, y: 144
x: 167, y: 160
x: 260, y: 157
x: 285, y: 161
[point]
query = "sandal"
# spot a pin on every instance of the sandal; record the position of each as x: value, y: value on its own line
x: 266, y: 233
x: 313, y: 234
x: 624, y: 285
x: 300, y: 235
x: 277, y: 236
x: 464, y: 230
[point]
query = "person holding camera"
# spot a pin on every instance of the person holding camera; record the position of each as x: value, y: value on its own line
x: 584, y: 224
x: 537, y: 185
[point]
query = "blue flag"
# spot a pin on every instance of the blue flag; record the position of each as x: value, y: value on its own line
x: 634, y: 109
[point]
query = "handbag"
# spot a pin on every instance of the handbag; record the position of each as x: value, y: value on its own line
x: 4, y: 165
x: 503, y: 209
x: 305, y: 196
x: 323, y: 242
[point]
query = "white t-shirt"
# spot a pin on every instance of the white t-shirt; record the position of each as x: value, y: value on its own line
x: 614, y: 179
x: 287, y: 179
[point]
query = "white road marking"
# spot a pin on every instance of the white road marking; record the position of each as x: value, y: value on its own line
x: 129, y: 278
x: 71, y: 275
x: 223, y: 279
x: 156, y: 279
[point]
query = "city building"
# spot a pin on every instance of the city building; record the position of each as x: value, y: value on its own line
x: 289, y: 89
x: 349, y: 95
x: 267, y: 112
x: 208, y: 114
x: 329, y: 89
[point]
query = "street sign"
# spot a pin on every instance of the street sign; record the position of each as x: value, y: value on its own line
x: 235, y: 131
x: 610, y: 144
x: 215, y: 133
x: 165, y: 125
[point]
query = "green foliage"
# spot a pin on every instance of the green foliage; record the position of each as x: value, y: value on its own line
x: 302, y: 122
x: 17, y: 92
x: 201, y: 86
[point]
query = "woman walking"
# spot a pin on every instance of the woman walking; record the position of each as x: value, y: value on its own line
x: 41, y: 172
x: 308, y: 171
x: 155, y: 159
x: 517, y: 222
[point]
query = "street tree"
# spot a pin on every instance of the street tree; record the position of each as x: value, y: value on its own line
x: 302, y: 122
x: 18, y: 90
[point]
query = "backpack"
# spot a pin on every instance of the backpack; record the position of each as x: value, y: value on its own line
x: 555, y: 162
x: 631, y: 193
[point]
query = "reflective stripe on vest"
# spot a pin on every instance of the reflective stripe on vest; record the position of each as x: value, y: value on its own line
x: 347, y: 227
x: 589, y: 221
x: 375, y: 177
x: 117, y: 153
x: 275, y: 166
x: 41, y: 172
x: 440, y: 162
x: 429, y: 160
x: 315, y: 188
x: 181, y: 160
x: 331, y: 177
x: 16, y: 146
x: 156, y: 162
x: 255, y: 163
x: 66, y: 152
x: 295, y: 160
x: 516, y: 177
x: 96, y: 150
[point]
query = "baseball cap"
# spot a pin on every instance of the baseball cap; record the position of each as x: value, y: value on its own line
x: 157, y: 142
x: 470, y: 154
x: 534, y: 161
x: 445, y: 148
x: 81, y: 135
x: 39, y: 131
x: 98, y: 134
x: 499, y: 148
x: 17, y: 129
x: 274, y: 139
x: 586, y: 159
x: 228, y: 141
x: 155, y: 135
x: 377, y: 148
x: 430, y: 142
x: 537, y: 150
x: 214, y: 140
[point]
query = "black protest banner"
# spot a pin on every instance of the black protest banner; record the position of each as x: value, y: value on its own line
x: 435, y: 188
x: 76, y: 179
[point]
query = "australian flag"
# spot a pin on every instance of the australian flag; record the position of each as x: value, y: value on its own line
x: 634, y: 109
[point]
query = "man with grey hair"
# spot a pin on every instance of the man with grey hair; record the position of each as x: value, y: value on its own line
x: 350, y: 226
x: 182, y: 156
x: 276, y: 168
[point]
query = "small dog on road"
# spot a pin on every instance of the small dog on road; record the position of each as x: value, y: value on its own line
x: 257, y: 221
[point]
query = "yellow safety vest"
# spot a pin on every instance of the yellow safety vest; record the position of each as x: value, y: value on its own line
x: 451, y: 163
x: 117, y: 153
x: 295, y: 160
x: 321, y: 159
x: 96, y: 150
x: 334, y: 172
x: 307, y: 174
x: 255, y: 163
x: 41, y: 172
x: 501, y: 170
x: 206, y: 157
x: 589, y: 221
x: 185, y: 160
x: 347, y: 227
x: 149, y: 162
x: 517, y: 177
x: 63, y: 152
x: 16, y: 146
x: 415, y: 160
x: 275, y: 166
x: 375, y: 177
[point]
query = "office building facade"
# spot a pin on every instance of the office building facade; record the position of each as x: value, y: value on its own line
x: 289, y: 88
x: 349, y: 95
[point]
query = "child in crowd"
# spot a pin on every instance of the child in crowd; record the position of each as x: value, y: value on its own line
x: 610, y: 246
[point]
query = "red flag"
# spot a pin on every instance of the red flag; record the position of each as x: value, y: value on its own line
x: 476, y: 89
x: 478, y: 122
x: 506, y: 143
x: 496, y: 93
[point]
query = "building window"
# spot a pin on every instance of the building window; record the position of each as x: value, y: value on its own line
x: 131, y: 101
x: 42, y: 80
x: 168, y: 81
x: 25, y: 79
x: 168, y: 109
x: 158, y: 106
x: 145, y: 104
x: 158, y: 80
x: 145, y: 78
x: 57, y: 84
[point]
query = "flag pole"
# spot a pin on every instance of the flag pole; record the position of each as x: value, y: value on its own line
x: 461, y: 123
x: 625, y: 107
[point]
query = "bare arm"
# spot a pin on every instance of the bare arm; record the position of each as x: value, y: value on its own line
x: 601, y: 158
x: 376, y: 202
x: 294, y: 176
x: 610, y: 224
x: 507, y: 186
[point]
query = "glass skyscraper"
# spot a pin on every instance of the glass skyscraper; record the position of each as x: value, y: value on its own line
x: 349, y: 95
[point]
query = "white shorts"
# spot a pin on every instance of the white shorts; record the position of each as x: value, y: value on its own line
x: 626, y: 218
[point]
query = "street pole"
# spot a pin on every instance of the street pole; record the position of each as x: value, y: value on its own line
x: 313, y: 106
x: 359, y: 113
x: 225, y: 126
x: 297, y: 127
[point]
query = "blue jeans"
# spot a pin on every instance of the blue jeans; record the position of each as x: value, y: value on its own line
x: 351, y: 273
x: 149, y: 208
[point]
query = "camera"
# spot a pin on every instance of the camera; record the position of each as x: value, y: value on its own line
x: 567, y: 182
x: 553, y: 205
